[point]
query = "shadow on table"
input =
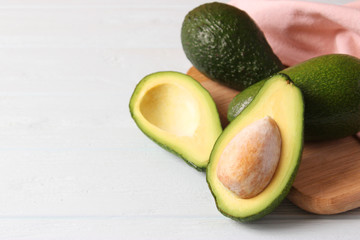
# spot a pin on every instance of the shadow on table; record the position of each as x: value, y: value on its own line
x: 287, y: 215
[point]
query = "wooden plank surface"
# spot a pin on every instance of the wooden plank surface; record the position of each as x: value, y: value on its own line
x: 328, y: 180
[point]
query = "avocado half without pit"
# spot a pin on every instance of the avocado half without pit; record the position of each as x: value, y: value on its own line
x: 254, y: 161
x: 177, y: 113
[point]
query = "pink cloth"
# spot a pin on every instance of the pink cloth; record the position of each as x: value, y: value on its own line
x: 298, y: 30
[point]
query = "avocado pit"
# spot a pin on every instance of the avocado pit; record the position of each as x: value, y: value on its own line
x: 249, y: 161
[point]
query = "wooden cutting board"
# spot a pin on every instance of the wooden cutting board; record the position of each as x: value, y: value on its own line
x: 328, y: 180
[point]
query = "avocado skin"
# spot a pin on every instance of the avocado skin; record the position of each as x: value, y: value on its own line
x: 227, y: 46
x: 331, y: 88
x: 240, y: 101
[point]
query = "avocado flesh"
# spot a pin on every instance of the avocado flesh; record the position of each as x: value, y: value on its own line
x: 282, y: 101
x: 227, y: 46
x: 177, y: 113
x: 331, y: 89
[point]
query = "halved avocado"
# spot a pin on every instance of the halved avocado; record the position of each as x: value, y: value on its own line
x: 177, y: 113
x: 282, y: 101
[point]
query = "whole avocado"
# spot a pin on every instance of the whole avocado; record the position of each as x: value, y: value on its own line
x: 331, y: 88
x: 226, y: 45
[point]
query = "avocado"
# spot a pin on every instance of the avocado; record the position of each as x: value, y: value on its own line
x: 227, y: 46
x: 331, y: 88
x: 241, y: 100
x: 280, y: 100
x: 177, y: 113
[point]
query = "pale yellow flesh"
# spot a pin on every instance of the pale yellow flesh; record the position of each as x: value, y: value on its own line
x: 280, y: 102
x: 171, y: 108
x: 177, y: 112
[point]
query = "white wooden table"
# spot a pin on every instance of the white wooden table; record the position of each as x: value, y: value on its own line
x: 73, y: 163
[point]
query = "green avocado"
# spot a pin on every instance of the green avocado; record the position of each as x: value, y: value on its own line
x: 243, y: 99
x: 177, y: 113
x: 331, y: 88
x: 282, y: 101
x: 226, y: 45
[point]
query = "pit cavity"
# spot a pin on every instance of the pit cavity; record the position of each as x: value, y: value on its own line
x: 171, y: 108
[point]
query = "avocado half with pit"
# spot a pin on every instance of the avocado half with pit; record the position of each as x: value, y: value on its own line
x: 255, y: 160
x: 177, y: 113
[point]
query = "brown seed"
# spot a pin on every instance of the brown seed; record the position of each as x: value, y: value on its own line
x: 249, y: 161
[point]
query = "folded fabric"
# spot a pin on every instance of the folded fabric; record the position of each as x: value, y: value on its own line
x: 298, y: 30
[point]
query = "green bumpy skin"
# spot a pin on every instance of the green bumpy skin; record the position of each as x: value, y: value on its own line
x: 240, y: 101
x: 227, y: 46
x: 331, y: 88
